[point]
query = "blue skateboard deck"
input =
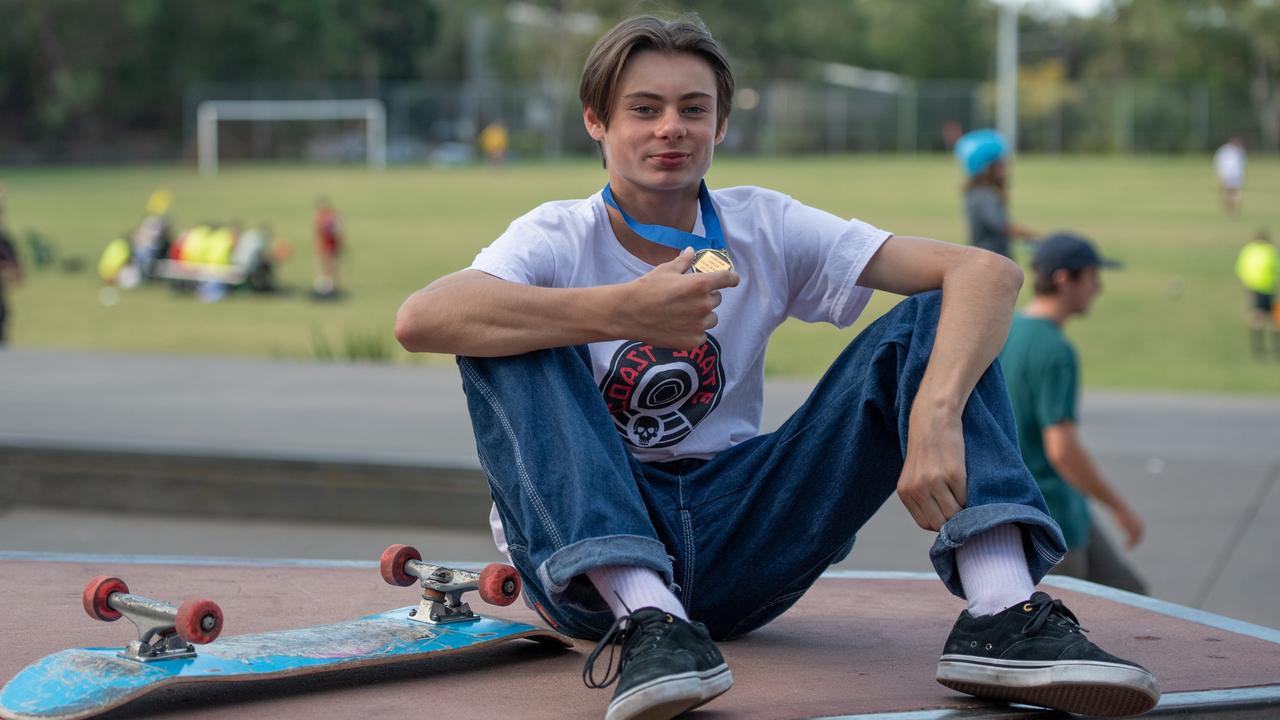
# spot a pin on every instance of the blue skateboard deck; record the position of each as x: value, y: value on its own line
x: 84, y: 682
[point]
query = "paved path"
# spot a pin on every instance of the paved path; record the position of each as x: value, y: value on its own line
x: 1202, y: 470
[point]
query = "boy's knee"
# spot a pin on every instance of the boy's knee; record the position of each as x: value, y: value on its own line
x: 919, y: 311
x: 925, y: 304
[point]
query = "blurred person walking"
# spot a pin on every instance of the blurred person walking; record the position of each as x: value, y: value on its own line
x: 615, y: 397
x: 983, y: 155
x: 10, y: 268
x: 952, y: 131
x: 494, y: 141
x: 1228, y: 163
x: 328, y: 231
x: 1258, y: 267
x: 155, y: 233
x: 1043, y: 375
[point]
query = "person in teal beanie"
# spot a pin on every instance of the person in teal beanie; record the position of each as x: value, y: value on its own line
x: 983, y: 154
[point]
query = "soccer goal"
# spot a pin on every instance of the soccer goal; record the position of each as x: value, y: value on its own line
x: 210, y: 112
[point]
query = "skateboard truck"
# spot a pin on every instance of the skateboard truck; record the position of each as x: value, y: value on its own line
x: 165, y: 631
x: 442, y: 587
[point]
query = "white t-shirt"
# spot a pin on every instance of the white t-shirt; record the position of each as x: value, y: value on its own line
x: 794, y: 261
x: 1229, y: 162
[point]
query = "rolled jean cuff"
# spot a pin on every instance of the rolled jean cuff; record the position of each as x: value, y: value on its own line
x: 1041, y: 539
x: 557, y: 574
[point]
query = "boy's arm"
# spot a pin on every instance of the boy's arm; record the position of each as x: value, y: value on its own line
x: 1021, y: 232
x: 1063, y: 449
x: 978, y: 292
x: 473, y: 313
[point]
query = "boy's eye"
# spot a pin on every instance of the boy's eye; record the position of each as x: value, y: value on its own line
x: 643, y: 109
x: 695, y: 110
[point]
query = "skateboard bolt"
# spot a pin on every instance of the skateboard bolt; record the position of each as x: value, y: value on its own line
x: 208, y: 622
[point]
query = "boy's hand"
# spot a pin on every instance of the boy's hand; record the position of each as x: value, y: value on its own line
x: 672, y: 309
x: 934, y: 484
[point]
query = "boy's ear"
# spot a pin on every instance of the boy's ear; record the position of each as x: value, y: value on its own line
x: 595, y: 128
x: 720, y: 132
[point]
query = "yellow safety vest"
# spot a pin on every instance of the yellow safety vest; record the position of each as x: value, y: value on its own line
x: 114, y: 257
x: 218, y: 251
x: 196, y: 245
x: 1257, y: 267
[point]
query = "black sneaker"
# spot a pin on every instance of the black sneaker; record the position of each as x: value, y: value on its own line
x: 1036, y: 653
x: 668, y: 666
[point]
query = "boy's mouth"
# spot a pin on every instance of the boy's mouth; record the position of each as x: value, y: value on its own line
x: 670, y: 159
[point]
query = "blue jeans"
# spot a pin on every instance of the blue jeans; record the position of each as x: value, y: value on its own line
x: 740, y: 537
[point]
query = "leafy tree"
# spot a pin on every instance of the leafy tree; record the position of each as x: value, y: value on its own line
x: 110, y: 70
x: 90, y: 70
x: 1229, y: 44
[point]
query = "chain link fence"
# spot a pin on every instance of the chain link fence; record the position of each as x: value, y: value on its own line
x: 433, y: 123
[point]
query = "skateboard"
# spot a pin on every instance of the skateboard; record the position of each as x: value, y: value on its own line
x: 83, y: 682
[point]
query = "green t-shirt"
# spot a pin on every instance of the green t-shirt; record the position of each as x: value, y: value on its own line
x: 1041, y: 371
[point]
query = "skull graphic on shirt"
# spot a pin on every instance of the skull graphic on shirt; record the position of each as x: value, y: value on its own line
x: 657, y: 396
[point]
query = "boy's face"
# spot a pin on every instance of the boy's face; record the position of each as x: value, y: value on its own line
x: 1079, y: 294
x: 662, y: 126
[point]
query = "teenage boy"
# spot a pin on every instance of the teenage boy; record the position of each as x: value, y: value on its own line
x: 1043, y: 375
x: 612, y: 352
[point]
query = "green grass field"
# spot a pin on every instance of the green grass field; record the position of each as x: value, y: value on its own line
x: 1173, y: 319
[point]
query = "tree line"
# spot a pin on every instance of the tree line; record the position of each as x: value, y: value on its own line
x: 80, y: 74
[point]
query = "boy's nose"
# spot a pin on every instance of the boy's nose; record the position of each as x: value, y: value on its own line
x: 671, y: 125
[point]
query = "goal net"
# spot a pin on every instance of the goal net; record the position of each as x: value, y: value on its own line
x: 210, y: 113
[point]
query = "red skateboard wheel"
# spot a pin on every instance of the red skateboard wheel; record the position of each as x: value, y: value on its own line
x: 392, y: 564
x: 95, y: 597
x: 499, y: 584
x: 198, y: 621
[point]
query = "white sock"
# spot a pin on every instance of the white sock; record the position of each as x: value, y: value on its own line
x: 625, y: 586
x: 993, y: 570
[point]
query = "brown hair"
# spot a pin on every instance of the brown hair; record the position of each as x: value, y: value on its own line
x: 685, y: 34
x: 991, y: 177
x: 1044, y: 285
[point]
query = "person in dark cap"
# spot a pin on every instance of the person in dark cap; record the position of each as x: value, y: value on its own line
x: 10, y: 267
x: 1042, y: 372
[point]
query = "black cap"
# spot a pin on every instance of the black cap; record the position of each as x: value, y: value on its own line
x: 1066, y: 251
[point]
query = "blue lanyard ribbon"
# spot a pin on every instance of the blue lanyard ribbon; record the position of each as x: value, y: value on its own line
x: 675, y: 237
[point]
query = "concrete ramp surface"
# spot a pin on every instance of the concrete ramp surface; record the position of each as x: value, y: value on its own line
x: 860, y: 644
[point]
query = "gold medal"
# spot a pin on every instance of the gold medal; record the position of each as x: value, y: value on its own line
x: 711, y: 260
